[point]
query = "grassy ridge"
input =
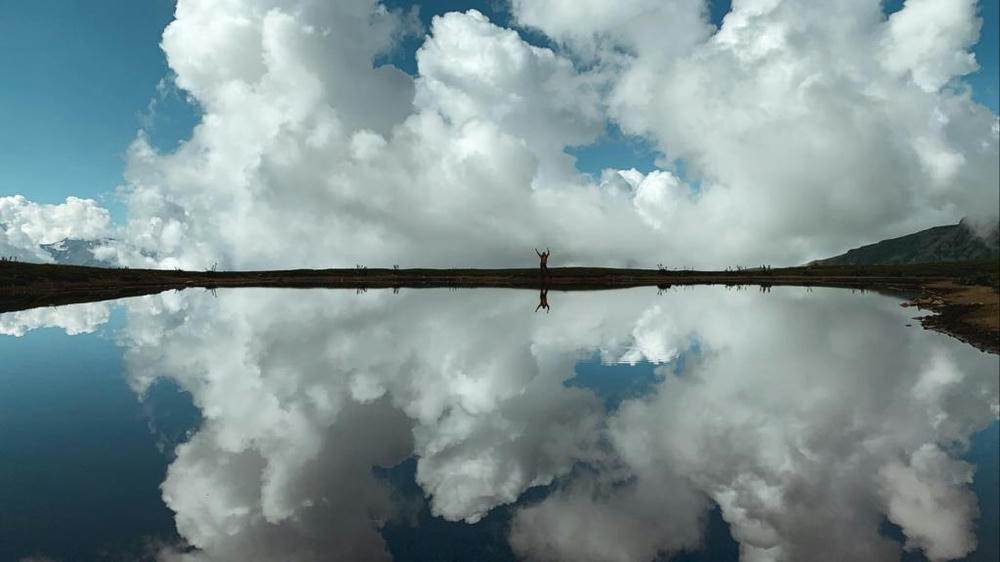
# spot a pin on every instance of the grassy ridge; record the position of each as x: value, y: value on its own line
x: 23, y: 285
x: 964, y: 294
x: 32, y: 277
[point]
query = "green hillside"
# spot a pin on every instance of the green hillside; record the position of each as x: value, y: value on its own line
x: 942, y: 243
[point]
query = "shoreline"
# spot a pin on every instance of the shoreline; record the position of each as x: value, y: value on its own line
x: 969, y: 313
x: 962, y: 295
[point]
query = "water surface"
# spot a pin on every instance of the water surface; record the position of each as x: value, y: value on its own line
x: 696, y: 424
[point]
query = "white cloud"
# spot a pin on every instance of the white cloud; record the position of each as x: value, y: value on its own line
x: 25, y: 225
x: 797, y: 425
x: 929, y: 500
x: 929, y: 41
x: 472, y: 71
x: 812, y: 127
x: 73, y: 318
x: 664, y: 28
x: 796, y: 416
x: 809, y: 127
x: 485, y: 421
x: 286, y: 169
x: 598, y: 519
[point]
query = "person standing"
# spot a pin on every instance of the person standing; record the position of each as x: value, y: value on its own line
x: 543, y: 261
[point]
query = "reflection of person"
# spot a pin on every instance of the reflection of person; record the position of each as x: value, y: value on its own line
x: 543, y: 300
x: 543, y: 262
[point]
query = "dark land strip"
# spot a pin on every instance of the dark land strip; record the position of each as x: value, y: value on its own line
x: 963, y: 294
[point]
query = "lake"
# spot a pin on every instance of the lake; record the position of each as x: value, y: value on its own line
x: 689, y: 424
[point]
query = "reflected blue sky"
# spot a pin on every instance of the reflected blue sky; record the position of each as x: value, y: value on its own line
x: 983, y: 454
x: 615, y: 382
x: 80, y: 470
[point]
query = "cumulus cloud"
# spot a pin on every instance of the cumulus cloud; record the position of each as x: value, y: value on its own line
x: 805, y: 432
x: 291, y: 166
x: 929, y: 501
x: 929, y: 41
x: 817, y: 125
x: 75, y: 319
x: 803, y: 129
x: 604, y: 31
x: 289, y: 438
x: 597, y: 518
x: 472, y: 71
x: 26, y: 225
x: 809, y: 418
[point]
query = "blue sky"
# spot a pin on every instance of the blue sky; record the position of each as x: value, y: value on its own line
x: 79, y: 78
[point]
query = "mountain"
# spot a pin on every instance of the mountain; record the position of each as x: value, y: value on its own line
x: 942, y: 243
x: 76, y: 252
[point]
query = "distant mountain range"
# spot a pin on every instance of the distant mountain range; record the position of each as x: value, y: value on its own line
x: 954, y: 242
x: 77, y: 252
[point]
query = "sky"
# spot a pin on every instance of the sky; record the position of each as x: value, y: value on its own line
x: 79, y: 80
x: 688, y: 131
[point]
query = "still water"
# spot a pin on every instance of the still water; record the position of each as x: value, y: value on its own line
x: 695, y: 424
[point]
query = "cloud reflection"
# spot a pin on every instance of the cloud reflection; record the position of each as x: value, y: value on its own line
x: 809, y: 418
x: 75, y: 319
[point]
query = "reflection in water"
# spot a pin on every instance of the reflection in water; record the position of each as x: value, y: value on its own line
x: 74, y: 319
x: 808, y: 420
x: 79, y: 467
x: 543, y: 300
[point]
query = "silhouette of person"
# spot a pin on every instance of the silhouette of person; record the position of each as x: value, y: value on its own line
x: 543, y: 300
x: 543, y: 263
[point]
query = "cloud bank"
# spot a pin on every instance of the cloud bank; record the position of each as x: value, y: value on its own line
x: 809, y: 418
x: 793, y: 131
x: 26, y: 225
x: 75, y: 319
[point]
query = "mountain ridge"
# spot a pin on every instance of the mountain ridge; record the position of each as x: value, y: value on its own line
x: 954, y: 242
x: 74, y: 251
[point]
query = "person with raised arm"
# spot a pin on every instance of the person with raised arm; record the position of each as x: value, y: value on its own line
x: 543, y: 264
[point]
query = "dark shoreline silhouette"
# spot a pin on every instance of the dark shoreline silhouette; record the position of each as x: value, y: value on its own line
x: 934, y: 286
